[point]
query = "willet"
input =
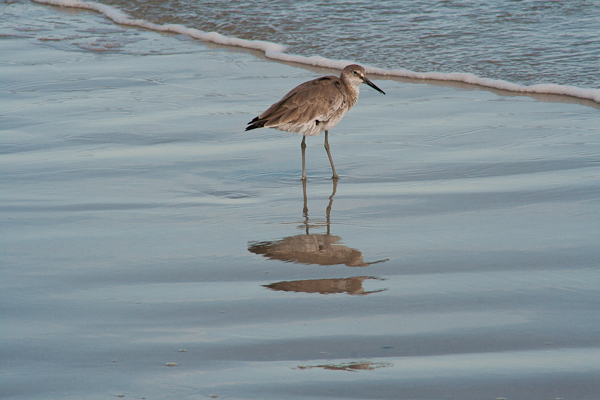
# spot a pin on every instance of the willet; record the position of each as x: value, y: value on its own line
x: 315, y: 106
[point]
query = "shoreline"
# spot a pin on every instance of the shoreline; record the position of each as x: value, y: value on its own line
x: 276, y: 52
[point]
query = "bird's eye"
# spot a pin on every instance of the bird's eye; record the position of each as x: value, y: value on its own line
x: 354, y: 72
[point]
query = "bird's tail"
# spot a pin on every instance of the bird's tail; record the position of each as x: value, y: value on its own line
x: 255, y: 123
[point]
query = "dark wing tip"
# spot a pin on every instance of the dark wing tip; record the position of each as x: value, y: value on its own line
x: 255, y: 124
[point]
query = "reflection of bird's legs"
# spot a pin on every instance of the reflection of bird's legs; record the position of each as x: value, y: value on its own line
x: 303, y: 145
x: 328, y: 211
x: 333, y: 192
x: 305, y: 210
x: 335, y: 175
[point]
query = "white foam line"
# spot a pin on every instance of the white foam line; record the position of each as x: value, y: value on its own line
x: 277, y: 52
x: 549, y: 88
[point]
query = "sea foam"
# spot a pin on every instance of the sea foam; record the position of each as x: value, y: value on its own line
x: 278, y: 52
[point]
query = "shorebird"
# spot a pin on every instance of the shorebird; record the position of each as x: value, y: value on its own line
x: 315, y: 106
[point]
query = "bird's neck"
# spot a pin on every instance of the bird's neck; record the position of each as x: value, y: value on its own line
x: 353, y: 94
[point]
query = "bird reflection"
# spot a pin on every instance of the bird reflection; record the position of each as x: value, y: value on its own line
x: 316, y: 248
x: 353, y: 366
x: 352, y: 285
x: 312, y: 248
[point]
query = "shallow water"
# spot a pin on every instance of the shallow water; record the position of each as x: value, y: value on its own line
x: 456, y: 257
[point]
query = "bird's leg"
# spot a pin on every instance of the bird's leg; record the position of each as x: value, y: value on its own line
x: 303, y: 145
x: 335, y: 175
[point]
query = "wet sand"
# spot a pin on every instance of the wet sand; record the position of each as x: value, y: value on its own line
x: 141, y: 227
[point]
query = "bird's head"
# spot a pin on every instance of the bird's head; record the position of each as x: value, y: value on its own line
x: 355, y: 74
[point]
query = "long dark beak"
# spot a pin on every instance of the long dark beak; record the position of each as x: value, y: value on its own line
x: 368, y: 82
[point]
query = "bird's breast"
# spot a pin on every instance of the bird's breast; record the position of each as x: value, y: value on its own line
x: 335, y: 118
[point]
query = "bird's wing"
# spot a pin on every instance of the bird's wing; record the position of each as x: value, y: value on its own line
x: 318, y: 99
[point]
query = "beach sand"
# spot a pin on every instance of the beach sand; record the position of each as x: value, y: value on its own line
x: 141, y: 227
